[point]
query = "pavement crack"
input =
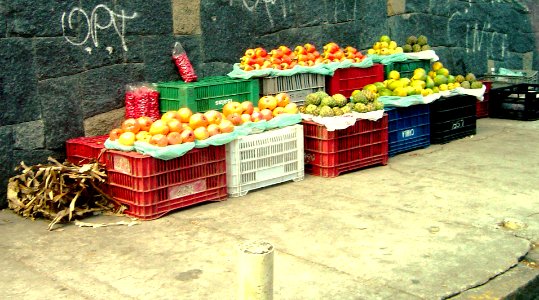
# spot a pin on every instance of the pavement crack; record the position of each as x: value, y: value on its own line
x: 520, y: 260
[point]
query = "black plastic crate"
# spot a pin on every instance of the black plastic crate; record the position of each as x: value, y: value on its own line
x: 409, y: 128
x: 517, y: 102
x: 452, y: 118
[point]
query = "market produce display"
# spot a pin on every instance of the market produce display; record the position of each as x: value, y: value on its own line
x: 174, y: 127
x: 268, y: 107
x: 284, y: 58
x: 323, y: 105
x: 385, y: 46
x: 423, y: 83
x: 416, y: 44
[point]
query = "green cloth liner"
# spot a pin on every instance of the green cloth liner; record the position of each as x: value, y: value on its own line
x: 322, y: 69
x: 174, y: 151
x: 114, y: 145
x: 504, y: 71
x: 164, y: 153
x: 387, y: 59
x: 396, y: 101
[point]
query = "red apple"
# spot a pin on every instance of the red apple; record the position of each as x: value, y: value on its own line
x: 250, y: 53
x: 198, y: 120
x: 278, y: 110
x: 174, y: 138
x: 170, y: 115
x: 145, y: 122
x: 159, y: 127
x: 300, y: 50
x: 232, y: 107
x: 213, y: 129
x: 115, y: 133
x: 187, y: 136
x: 261, y: 52
x: 285, y: 50
x: 266, y: 114
x: 247, y: 107
x: 234, y: 118
x: 226, y: 126
x: 256, y: 116
x: 331, y: 47
x: 159, y: 140
x: 131, y: 125
x: 185, y: 113
x: 245, y: 118
x: 201, y: 133
x: 268, y: 102
x: 291, y: 108
x: 213, y: 116
x: 278, y: 53
x: 175, y: 125
x: 282, y: 99
x: 310, y: 48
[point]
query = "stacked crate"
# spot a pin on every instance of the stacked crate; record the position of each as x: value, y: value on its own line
x: 330, y: 153
x: 409, y: 128
x: 297, y: 86
x: 210, y: 93
x: 83, y: 150
x: 264, y: 159
x: 345, y: 81
x: 452, y: 118
x: 152, y: 187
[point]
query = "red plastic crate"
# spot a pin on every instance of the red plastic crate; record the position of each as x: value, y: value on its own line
x: 330, y: 153
x: 481, y: 110
x: 345, y: 81
x: 82, y: 150
x: 136, y: 164
x: 159, y: 209
x: 162, y: 186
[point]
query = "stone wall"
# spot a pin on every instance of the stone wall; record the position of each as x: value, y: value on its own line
x: 65, y: 64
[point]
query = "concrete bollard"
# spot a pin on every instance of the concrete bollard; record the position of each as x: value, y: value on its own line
x: 255, y: 270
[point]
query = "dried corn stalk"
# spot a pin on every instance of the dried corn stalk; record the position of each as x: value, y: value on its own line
x: 59, y: 192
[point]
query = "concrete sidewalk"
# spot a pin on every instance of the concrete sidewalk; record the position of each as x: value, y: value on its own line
x: 429, y: 225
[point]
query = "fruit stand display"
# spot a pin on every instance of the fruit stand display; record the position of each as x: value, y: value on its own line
x: 263, y: 159
x: 209, y: 93
x: 224, y: 136
x: 408, y: 128
x: 330, y: 152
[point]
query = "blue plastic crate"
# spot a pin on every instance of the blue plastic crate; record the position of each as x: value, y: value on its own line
x: 408, y: 128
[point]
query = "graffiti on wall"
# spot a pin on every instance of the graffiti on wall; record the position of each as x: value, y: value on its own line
x: 90, y: 25
x: 478, y: 35
x: 277, y: 9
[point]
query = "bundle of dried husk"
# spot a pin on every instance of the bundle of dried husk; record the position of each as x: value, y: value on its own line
x: 60, y: 192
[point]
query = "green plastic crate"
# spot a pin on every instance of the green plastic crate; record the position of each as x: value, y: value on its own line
x: 209, y: 93
x: 406, y: 68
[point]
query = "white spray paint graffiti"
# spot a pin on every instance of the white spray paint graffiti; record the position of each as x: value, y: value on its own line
x: 477, y: 37
x: 251, y: 6
x: 93, y: 24
x: 340, y: 8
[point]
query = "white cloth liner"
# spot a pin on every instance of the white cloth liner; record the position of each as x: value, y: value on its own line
x: 344, y: 121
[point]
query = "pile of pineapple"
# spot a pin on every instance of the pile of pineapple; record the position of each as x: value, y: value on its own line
x: 323, y: 105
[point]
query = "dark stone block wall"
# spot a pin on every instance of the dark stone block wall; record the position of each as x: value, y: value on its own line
x: 57, y: 71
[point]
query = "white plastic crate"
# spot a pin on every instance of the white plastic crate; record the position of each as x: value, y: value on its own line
x: 263, y: 159
x: 297, y: 86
